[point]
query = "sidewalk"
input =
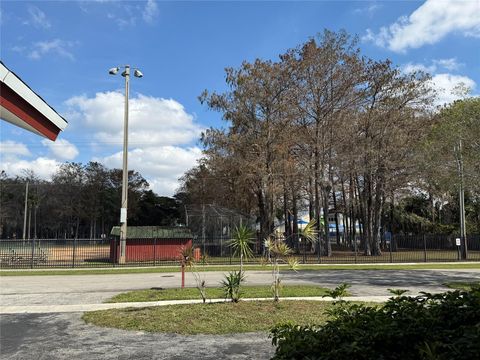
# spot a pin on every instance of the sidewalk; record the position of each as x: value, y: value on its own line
x: 43, y: 309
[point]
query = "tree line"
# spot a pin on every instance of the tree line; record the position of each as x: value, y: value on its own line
x: 327, y: 129
x: 80, y: 201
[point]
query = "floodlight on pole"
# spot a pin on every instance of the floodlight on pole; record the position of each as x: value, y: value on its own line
x: 124, y: 206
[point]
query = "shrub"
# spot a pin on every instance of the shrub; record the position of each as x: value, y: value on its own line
x: 440, y: 326
x: 231, y: 285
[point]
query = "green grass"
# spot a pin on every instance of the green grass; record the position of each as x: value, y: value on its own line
x: 462, y: 285
x: 159, y: 269
x: 215, y: 293
x: 213, y: 318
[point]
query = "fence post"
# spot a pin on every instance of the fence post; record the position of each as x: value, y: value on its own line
x: 304, y: 252
x: 154, y: 251
x: 33, y: 253
x: 114, y: 260
x: 355, y: 247
x: 424, y: 248
x: 319, y: 256
x: 73, y: 251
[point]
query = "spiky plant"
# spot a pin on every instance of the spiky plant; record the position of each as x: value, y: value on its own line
x: 231, y: 285
x: 241, y: 243
x: 309, y: 232
x: 278, y: 252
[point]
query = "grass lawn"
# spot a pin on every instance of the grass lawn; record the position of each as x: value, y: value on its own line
x: 214, y: 293
x: 213, y: 318
x: 161, y: 269
x: 462, y: 285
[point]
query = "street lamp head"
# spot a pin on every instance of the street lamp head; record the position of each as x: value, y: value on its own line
x: 113, y: 71
x: 137, y: 73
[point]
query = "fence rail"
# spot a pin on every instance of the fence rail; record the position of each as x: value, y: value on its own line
x: 84, y: 253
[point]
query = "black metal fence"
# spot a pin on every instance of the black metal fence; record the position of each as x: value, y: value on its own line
x: 83, y: 253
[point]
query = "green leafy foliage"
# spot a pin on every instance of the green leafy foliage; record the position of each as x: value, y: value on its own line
x: 339, y: 292
x: 241, y: 243
x: 309, y: 232
x: 231, y: 285
x: 430, y: 326
x: 397, y: 292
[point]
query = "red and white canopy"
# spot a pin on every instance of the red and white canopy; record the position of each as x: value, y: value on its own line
x: 21, y: 106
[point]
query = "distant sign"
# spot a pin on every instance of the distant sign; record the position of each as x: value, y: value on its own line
x: 457, y: 241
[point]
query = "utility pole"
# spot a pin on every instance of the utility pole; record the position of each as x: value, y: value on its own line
x: 463, y: 235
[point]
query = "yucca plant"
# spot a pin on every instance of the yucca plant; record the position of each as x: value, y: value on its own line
x: 241, y: 243
x: 309, y: 232
x: 231, y: 285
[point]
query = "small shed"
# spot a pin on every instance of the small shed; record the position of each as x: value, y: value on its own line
x: 150, y: 243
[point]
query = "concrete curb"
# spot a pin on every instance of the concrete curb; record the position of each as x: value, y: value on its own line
x: 42, y: 309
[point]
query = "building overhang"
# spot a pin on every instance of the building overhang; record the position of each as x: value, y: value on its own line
x: 21, y: 106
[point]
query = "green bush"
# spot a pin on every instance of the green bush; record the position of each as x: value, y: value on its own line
x: 441, y: 326
x: 231, y: 285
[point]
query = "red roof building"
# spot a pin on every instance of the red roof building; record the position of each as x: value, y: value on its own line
x: 21, y: 106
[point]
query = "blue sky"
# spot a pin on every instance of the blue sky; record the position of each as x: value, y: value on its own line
x: 63, y: 50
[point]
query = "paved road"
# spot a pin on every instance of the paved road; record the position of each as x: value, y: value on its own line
x: 90, y: 289
x: 65, y: 335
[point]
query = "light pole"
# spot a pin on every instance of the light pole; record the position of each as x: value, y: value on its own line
x: 124, y: 206
x: 463, y: 233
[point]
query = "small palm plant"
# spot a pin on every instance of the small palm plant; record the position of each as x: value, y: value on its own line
x: 231, y: 285
x: 309, y: 232
x: 187, y: 260
x: 279, y: 252
x: 338, y: 293
x: 241, y: 243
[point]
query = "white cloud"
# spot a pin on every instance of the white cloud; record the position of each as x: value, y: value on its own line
x: 38, y: 18
x: 448, y: 85
x: 13, y: 148
x: 432, y: 21
x: 61, y: 149
x: 411, y: 67
x: 369, y: 9
x: 152, y: 121
x: 56, y: 46
x: 449, y: 64
x: 160, y: 165
x: 150, y: 12
x: 43, y: 167
x: 161, y: 134
x: 436, y: 64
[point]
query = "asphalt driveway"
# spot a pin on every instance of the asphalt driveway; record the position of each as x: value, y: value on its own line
x: 66, y: 336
